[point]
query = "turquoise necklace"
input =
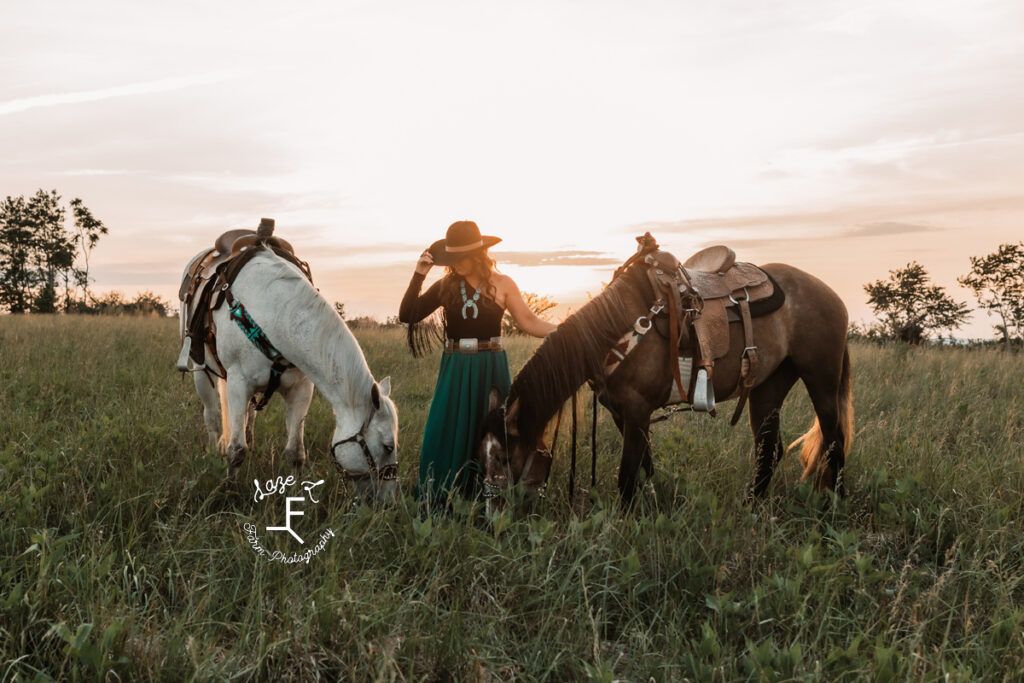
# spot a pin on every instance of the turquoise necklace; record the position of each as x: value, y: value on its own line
x: 468, y: 303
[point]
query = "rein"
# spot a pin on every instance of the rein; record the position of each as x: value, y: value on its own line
x: 572, y: 460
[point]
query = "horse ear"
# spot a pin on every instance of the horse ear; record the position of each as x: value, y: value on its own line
x: 494, y: 399
x: 512, y: 419
x: 375, y: 396
x: 385, y: 386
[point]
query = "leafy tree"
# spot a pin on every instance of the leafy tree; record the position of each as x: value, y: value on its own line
x: 37, y: 253
x: 116, y: 303
x: 362, y: 322
x: 910, y: 307
x: 339, y: 307
x: 148, y: 303
x: 540, y: 305
x: 997, y: 281
x: 111, y: 303
x: 17, y: 246
x: 54, y: 252
x: 89, y: 230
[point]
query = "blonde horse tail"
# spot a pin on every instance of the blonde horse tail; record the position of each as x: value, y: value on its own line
x: 225, y: 419
x: 812, y: 451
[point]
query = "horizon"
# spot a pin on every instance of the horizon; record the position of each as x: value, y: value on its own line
x: 846, y: 142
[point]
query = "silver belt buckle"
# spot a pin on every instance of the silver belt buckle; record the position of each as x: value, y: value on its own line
x: 471, y: 345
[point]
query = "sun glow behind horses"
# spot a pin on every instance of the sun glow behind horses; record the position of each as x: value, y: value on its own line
x: 563, y: 284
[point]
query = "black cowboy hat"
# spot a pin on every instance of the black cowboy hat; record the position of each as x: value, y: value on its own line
x: 462, y: 239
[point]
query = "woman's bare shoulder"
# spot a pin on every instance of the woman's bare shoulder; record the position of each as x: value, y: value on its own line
x: 504, y: 282
x: 504, y: 286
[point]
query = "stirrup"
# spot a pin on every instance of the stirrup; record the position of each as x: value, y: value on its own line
x: 703, y: 393
x: 186, y: 350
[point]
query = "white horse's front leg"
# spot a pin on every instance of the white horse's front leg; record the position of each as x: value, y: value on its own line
x: 250, y: 420
x: 238, y: 392
x: 206, y: 387
x: 298, y: 396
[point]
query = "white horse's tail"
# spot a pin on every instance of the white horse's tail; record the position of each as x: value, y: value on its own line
x: 225, y: 419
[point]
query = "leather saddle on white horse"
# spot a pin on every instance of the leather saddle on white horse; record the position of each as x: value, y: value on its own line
x: 207, y: 283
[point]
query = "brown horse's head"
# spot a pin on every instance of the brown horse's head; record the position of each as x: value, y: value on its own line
x: 507, y: 458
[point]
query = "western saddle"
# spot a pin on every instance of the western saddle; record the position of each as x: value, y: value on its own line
x: 706, y: 292
x: 207, y: 284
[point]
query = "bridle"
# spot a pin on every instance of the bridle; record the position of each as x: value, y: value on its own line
x: 373, y: 471
x: 493, y: 489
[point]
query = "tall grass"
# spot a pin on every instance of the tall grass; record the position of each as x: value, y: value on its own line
x: 122, y: 552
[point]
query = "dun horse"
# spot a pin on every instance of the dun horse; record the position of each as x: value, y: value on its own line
x: 273, y: 304
x: 803, y: 339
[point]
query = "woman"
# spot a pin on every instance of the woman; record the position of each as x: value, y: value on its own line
x: 473, y: 298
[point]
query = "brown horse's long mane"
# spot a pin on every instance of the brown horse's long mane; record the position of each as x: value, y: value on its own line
x: 574, y: 353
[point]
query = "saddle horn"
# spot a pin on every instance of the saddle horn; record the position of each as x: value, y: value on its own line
x: 266, y: 228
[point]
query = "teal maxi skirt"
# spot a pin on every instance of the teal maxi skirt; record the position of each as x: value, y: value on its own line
x: 447, y: 461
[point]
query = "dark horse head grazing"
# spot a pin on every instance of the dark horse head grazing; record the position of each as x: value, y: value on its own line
x: 803, y: 339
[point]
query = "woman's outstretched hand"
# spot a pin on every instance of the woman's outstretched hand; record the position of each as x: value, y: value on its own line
x: 425, y: 262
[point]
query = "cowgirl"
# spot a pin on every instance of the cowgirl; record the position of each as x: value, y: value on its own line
x: 473, y: 297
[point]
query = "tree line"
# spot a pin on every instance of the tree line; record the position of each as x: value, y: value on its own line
x: 908, y: 306
x: 44, y: 268
x: 44, y: 263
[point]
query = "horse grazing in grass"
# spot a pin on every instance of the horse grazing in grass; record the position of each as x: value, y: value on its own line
x: 804, y: 338
x: 273, y: 303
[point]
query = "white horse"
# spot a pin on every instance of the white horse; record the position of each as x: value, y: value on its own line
x: 307, y: 332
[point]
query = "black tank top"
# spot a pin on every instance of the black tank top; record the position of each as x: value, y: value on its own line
x: 416, y: 307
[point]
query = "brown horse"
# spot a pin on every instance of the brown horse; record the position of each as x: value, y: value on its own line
x: 803, y: 339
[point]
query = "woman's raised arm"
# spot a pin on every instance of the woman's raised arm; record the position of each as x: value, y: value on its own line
x: 414, y: 307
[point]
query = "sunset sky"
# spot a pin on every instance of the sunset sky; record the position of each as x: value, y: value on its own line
x: 846, y: 138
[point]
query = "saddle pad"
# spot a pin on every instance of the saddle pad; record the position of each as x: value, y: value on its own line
x: 761, y: 306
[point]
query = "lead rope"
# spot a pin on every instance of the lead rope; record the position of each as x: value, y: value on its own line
x: 558, y: 428
x: 572, y: 460
x: 593, y: 442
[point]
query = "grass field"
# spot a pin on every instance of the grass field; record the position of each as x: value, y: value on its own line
x: 123, y: 555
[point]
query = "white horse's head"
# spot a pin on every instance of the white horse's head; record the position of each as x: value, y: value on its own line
x: 369, y: 458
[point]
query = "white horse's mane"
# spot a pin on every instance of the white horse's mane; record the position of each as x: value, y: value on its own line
x: 332, y: 348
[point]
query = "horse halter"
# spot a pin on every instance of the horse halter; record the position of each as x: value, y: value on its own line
x: 493, y: 489
x: 385, y: 473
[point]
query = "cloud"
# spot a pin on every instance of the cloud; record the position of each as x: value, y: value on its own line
x: 868, y: 231
x: 556, y: 258
x: 887, y: 228
x: 94, y: 172
x: 140, y: 275
x: 784, y: 230
x: 874, y: 220
x: 697, y: 226
x: 399, y: 253
x: 162, y: 85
